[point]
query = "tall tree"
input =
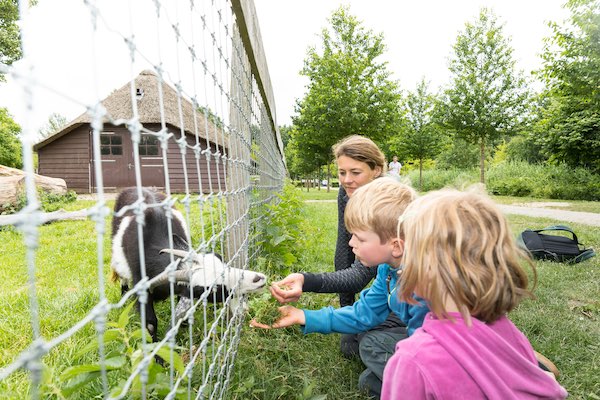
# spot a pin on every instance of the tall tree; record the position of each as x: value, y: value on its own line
x: 569, y: 127
x: 349, y: 90
x: 419, y: 139
x: 487, y: 97
x: 10, y: 42
x: 55, y: 123
x: 10, y: 146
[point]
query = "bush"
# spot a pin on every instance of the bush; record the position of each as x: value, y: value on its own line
x: 519, y: 179
x: 48, y: 202
x: 279, y: 233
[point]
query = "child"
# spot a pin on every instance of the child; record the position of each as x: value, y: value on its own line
x: 461, y: 257
x: 371, y: 215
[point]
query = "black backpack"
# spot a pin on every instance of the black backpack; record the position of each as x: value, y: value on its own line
x: 554, y: 247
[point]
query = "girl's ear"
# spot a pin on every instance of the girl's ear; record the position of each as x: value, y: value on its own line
x: 397, y: 247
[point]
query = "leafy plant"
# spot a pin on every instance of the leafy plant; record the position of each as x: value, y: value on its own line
x: 280, y: 233
x: 123, y: 353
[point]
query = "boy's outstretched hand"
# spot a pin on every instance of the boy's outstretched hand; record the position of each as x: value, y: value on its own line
x: 289, y: 289
x: 289, y: 316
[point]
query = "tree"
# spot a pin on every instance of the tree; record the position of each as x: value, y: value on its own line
x: 349, y: 91
x: 55, y: 123
x: 569, y: 128
x: 10, y: 146
x: 10, y: 42
x: 419, y: 139
x: 487, y: 98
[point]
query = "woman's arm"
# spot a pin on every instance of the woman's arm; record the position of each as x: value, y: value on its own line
x: 349, y: 280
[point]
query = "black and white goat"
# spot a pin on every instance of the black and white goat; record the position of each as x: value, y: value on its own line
x: 207, y: 269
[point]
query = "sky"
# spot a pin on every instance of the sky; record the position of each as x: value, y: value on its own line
x: 73, y: 65
x: 419, y: 36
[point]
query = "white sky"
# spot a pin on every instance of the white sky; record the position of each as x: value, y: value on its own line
x: 419, y: 36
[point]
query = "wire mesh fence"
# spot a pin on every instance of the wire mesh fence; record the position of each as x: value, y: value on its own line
x: 192, y: 129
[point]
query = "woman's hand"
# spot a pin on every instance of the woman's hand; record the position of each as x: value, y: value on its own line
x: 288, y: 289
x: 289, y: 316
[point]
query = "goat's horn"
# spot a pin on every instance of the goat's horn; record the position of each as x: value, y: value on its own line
x: 177, y: 252
x: 180, y: 276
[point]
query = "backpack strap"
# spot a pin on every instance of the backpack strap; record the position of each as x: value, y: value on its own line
x: 560, y: 228
x: 588, y: 253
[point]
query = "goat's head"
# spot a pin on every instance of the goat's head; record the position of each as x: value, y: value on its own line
x: 204, y: 270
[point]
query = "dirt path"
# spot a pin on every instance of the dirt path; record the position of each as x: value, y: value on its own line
x: 564, y: 216
x: 586, y: 218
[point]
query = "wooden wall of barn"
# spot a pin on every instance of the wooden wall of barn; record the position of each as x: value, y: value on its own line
x: 68, y: 158
x: 208, y: 170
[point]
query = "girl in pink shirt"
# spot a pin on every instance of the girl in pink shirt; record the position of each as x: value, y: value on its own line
x: 461, y: 257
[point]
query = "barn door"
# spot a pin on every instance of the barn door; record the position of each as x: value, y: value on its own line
x: 117, y: 162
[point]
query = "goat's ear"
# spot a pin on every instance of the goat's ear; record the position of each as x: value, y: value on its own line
x: 220, y: 257
x: 180, y: 243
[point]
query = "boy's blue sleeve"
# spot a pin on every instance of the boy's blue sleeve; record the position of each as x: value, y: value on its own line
x: 369, y: 311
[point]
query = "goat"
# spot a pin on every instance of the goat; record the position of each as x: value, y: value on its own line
x: 205, y: 271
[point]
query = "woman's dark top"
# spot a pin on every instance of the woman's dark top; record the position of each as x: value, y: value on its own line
x: 350, y: 276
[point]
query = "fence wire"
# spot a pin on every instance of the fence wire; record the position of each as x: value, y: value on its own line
x: 208, y: 135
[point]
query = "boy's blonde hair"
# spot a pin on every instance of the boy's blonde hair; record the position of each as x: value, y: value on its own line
x: 360, y: 148
x: 377, y: 206
x: 459, y: 246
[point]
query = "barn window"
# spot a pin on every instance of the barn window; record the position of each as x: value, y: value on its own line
x: 149, y: 146
x: 111, y: 144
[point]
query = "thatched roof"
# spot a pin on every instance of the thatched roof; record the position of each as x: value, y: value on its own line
x: 118, y: 106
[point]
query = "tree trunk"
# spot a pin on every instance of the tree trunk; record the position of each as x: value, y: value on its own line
x: 328, y: 177
x: 12, y: 185
x: 45, y: 218
x: 482, y: 161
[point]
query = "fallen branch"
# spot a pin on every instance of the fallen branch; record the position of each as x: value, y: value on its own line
x: 44, y: 218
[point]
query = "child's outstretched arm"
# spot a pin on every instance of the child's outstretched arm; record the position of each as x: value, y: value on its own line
x: 289, y: 316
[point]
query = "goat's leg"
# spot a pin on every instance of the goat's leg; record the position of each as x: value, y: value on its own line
x: 151, y: 319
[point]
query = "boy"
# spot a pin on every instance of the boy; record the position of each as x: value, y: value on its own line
x: 371, y: 216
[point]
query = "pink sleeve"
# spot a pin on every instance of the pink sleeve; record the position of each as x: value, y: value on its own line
x: 402, y: 379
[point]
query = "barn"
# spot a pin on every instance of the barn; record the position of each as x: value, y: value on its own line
x: 68, y: 154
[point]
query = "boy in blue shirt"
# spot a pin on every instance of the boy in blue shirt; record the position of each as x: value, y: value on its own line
x: 371, y: 216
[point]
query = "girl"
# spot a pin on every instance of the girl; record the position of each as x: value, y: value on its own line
x: 460, y: 256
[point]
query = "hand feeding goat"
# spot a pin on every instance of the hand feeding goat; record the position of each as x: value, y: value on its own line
x: 208, y: 269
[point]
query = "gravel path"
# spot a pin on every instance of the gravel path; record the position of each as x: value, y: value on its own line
x: 586, y: 218
x: 580, y: 217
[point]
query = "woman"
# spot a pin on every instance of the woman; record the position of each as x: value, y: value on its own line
x: 359, y: 161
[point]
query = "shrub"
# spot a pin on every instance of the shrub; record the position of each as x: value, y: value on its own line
x: 279, y: 233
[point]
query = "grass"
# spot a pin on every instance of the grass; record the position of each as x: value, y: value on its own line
x: 562, y: 322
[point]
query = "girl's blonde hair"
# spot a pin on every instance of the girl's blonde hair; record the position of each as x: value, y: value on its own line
x: 459, y: 247
x: 376, y: 207
x: 362, y: 149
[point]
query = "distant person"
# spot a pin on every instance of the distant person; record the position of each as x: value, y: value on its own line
x: 461, y: 257
x: 395, y: 167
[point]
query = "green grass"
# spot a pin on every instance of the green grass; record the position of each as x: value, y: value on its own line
x: 322, y: 194
x: 563, y: 322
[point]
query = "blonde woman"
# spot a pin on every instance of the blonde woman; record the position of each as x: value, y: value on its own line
x: 460, y: 256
